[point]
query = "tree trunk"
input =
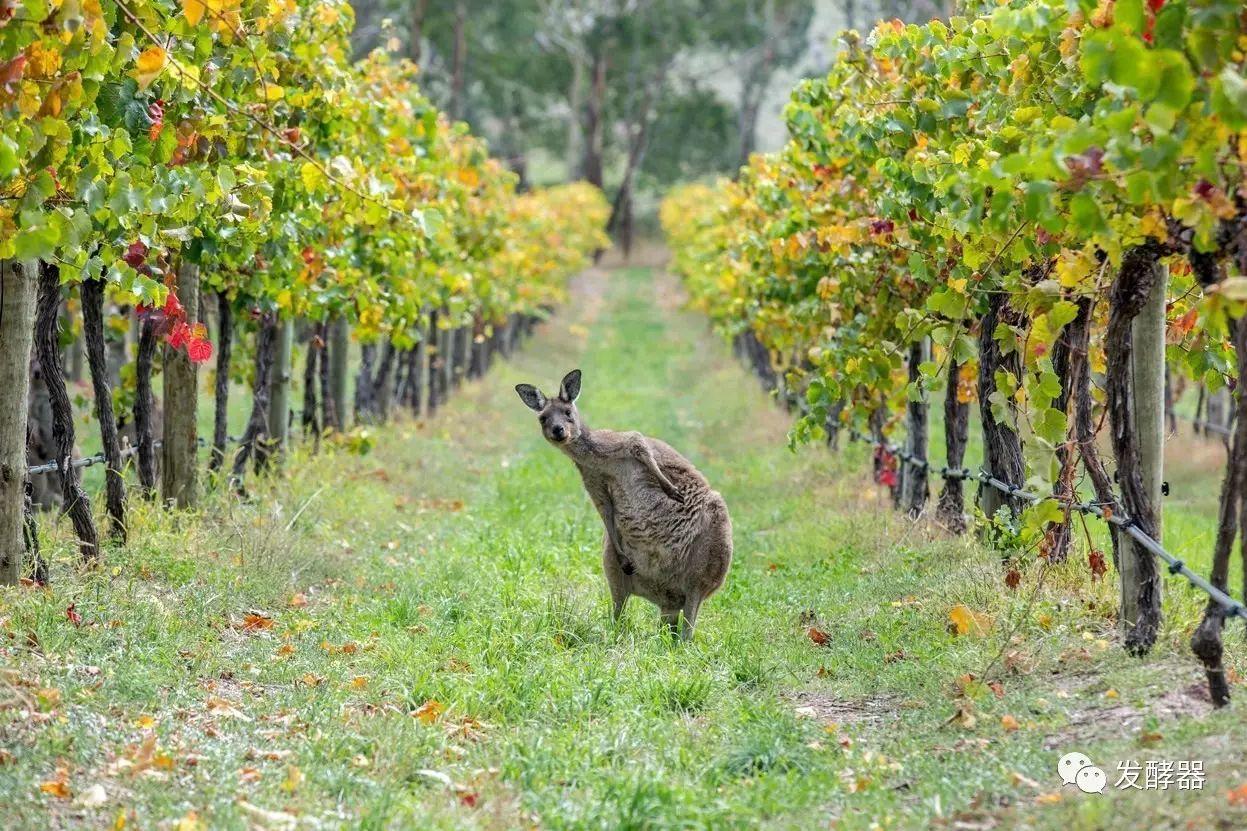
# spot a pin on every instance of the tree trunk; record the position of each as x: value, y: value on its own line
x: 144, y: 407
x: 279, y: 396
x: 91, y: 293
x: 329, y: 414
x: 446, y: 348
x: 179, y: 450
x: 951, y: 510
x: 591, y: 165
x: 76, y: 504
x: 1134, y: 402
x: 255, y: 440
x: 224, y: 352
x: 1078, y: 334
x: 385, y: 384
x: 1206, y: 641
x: 575, y: 105
x: 459, y: 58
x: 917, y: 488
x: 30, y: 536
x: 339, y: 360
x: 419, y: 9
x: 310, y: 421
x: 363, y: 384
x: 1002, y: 449
x: 420, y: 379
x: 1059, y: 534
x: 433, y: 351
x: 17, y: 310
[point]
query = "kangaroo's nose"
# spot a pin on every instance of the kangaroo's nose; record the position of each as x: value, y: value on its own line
x: 559, y: 432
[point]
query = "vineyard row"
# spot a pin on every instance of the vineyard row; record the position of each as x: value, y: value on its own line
x: 1038, y: 207
x: 185, y: 181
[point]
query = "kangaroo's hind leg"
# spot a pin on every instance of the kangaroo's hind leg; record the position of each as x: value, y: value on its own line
x: 620, y: 584
x: 691, y: 605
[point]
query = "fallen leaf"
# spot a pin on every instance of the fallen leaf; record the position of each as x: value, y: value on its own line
x: 1238, y: 796
x: 1013, y: 578
x: 311, y: 679
x: 359, y: 682
x: 297, y: 600
x: 468, y: 798
x: 59, y: 788
x: 294, y: 778
x: 255, y: 621
x: 1009, y: 723
x: 1049, y: 799
x: 429, y: 712
x: 818, y: 636
x: 72, y: 614
x: 968, y: 622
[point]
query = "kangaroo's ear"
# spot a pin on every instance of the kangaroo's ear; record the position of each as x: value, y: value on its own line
x: 569, y: 390
x: 531, y: 396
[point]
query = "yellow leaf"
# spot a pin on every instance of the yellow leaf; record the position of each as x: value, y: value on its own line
x: 294, y: 778
x: 429, y: 711
x: 193, y: 11
x: 57, y: 787
x: 274, y: 92
x: 968, y: 622
x: 150, y: 64
x: 190, y: 822
x: 359, y: 682
x: 311, y: 175
x: 1009, y: 723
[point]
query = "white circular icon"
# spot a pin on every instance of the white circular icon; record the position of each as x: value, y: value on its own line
x: 1069, y: 766
x: 1091, y: 780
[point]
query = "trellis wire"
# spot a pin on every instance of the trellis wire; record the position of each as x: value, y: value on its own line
x: 98, y: 458
x: 1232, y: 607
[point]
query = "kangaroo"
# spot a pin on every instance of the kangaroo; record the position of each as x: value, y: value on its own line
x: 668, y: 535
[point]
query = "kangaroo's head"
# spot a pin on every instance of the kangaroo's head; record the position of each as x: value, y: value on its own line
x: 560, y: 421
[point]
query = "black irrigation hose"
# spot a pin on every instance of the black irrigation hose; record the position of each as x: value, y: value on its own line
x: 98, y: 458
x: 1231, y: 606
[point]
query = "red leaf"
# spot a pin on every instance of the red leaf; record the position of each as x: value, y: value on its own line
x: 11, y: 73
x: 1013, y: 578
x: 1095, y: 559
x: 888, y: 477
x: 156, y: 114
x: 468, y: 799
x: 173, y: 307
x: 818, y: 636
x: 136, y: 254
x: 180, y: 334
x: 199, y: 350
x: 72, y: 614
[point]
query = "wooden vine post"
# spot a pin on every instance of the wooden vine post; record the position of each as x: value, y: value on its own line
x: 179, y: 448
x: 279, y: 396
x: 915, y: 487
x: 339, y: 352
x: 1135, y: 378
x: 17, y: 308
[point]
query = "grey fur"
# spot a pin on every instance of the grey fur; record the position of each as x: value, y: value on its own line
x: 668, y: 535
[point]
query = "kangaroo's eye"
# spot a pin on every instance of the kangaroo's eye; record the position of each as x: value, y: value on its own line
x: 544, y: 419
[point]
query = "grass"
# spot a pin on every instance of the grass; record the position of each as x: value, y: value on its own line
x: 420, y: 638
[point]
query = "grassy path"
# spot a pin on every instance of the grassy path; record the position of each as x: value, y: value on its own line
x: 419, y: 637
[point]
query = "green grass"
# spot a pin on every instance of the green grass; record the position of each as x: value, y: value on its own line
x: 459, y: 563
